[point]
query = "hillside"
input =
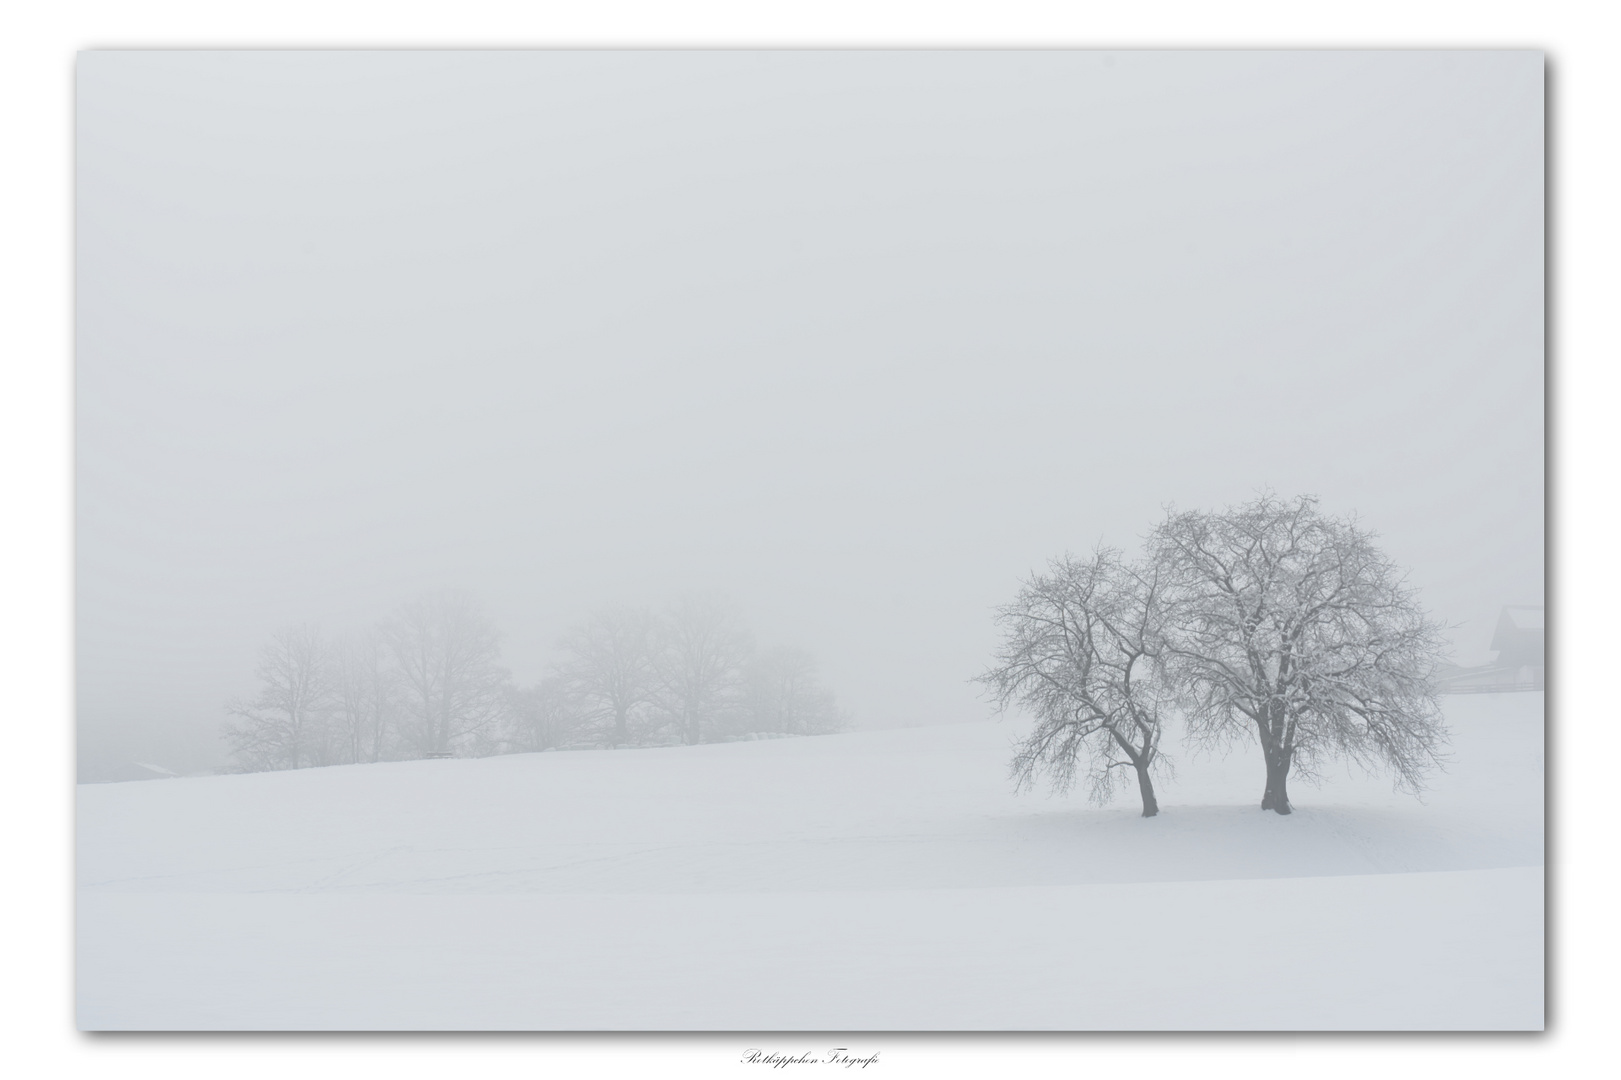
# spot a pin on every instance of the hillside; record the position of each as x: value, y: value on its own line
x: 871, y: 880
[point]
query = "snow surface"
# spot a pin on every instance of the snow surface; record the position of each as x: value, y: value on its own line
x: 882, y: 880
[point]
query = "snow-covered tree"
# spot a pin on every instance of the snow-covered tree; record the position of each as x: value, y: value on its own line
x: 702, y: 649
x: 1292, y: 625
x: 453, y: 689
x: 782, y: 692
x: 609, y: 669
x: 542, y: 717
x: 366, y: 695
x: 282, y: 726
x: 1080, y: 652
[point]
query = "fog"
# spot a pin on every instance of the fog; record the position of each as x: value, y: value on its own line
x: 857, y: 339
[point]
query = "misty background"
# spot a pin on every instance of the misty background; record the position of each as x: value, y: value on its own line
x: 858, y: 339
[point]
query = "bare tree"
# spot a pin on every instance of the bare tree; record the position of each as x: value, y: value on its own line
x: 542, y: 717
x: 702, y: 651
x: 1081, y: 653
x: 366, y: 688
x: 609, y: 668
x: 453, y: 690
x: 281, y: 726
x: 1293, y: 625
x: 783, y: 693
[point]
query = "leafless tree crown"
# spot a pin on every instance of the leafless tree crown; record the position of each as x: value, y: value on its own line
x: 1081, y: 652
x: 280, y: 728
x: 447, y: 651
x: 1292, y: 625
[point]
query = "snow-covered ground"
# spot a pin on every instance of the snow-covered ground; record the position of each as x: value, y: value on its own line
x: 884, y: 880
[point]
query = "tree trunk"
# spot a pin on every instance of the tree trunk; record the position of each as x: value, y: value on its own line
x: 621, y: 735
x: 442, y: 739
x: 1276, y: 796
x: 1146, y: 787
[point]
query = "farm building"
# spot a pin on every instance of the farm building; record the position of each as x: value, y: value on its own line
x: 1518, y: 642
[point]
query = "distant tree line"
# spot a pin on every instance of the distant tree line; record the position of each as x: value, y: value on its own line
x: 1269, y: 623
x: 427, y: 681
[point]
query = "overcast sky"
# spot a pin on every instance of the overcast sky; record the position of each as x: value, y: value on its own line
x: 859, y: 339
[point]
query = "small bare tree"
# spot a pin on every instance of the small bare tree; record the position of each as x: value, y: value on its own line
x: 1080, y: 652
x: 783, y: 693
x: 609, y: 668
x: 366, y: 690
x: 701, y: 655
x: 281, y: 726
x: 542, y: 717
x: 453, y: 691
x: 1292, y: 625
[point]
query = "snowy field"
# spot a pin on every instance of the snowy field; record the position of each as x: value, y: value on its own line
x: 885, y: 880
